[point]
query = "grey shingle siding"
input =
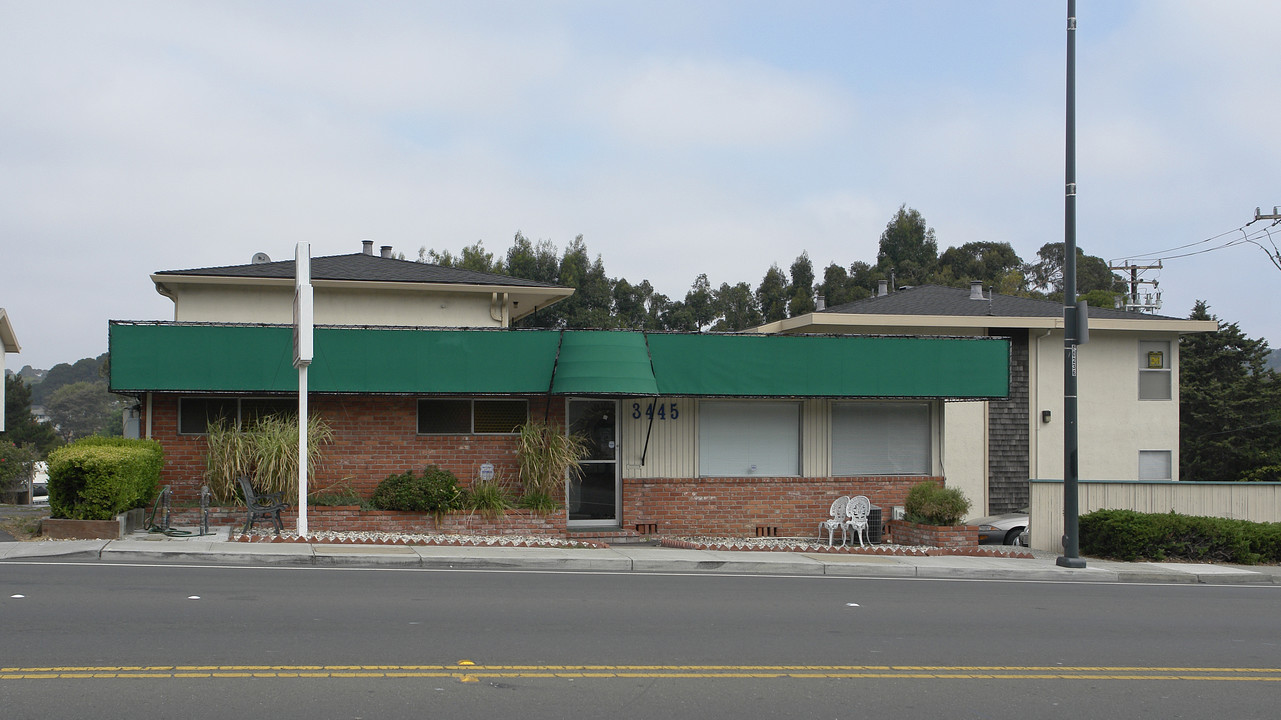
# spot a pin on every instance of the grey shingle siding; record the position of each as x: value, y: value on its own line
x: 1008, y: 435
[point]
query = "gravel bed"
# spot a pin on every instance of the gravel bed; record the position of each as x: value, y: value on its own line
x: 388, y: 538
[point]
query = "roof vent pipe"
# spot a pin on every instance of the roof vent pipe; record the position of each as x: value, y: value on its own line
x: 368, y: 247
x: 385, y: 250
x: 882, y: 288
x: 976, y: 290
x: 820, y: 303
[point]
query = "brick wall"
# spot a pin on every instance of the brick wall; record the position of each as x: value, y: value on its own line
x: 789, y: 506
x: 354, y: 519
x: 943, y: 536
x: 373, y: 437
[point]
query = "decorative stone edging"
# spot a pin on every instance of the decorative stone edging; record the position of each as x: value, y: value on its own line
x: 780, y: 545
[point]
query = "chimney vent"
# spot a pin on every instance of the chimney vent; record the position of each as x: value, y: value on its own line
x: 385, y: 250
x: 820, y: 303
x: 882, y: 288
x: 976, y: 290
x: 367, y: 247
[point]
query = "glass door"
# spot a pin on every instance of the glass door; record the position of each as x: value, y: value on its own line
x: 592, y: 495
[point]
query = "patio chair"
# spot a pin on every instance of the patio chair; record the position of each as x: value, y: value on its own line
x: 267, y: 505
x: 838, y: 520
x: 856, y: 512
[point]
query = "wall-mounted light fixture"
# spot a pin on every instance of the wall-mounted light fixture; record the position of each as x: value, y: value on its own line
x: 1045, y: 416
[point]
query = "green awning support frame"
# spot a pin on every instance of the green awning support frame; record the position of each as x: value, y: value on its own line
x: 221, y: 358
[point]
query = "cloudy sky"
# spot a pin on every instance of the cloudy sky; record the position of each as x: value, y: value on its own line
x: 677, y: 137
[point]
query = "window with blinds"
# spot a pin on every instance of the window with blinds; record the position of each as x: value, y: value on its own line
x: 880, y: 438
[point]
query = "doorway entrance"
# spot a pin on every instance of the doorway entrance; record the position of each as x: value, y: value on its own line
x: 592, y: 494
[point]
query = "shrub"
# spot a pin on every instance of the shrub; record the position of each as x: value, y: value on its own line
x: 547, y: 456
x: 929, y: 504
x: 16, y: 465
x: 1129, y: 535
x: 435, y: 491
x: 540, y: 502
x: 488, y: 497
x: 266, y: 450
x: 96, y: 478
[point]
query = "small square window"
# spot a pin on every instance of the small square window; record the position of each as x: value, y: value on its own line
x: 1156, y: 465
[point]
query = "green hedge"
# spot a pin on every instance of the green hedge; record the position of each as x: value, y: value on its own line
x: 96, y: 478
x: 929, y: 504
x: 1128, y: 535
x: 435, y: 491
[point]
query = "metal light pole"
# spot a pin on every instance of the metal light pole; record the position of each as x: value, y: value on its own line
x: 1072, y: 317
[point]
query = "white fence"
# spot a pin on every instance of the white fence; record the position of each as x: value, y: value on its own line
x: 1257, y: 502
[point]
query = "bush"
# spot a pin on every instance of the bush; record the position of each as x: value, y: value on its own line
x: 266, y: 450
x: 488, y: 497
x: 1128, y: 535
x: 435, y: 491
x: 929, y: 504
x: 16, y: 465
x: 96, y: 478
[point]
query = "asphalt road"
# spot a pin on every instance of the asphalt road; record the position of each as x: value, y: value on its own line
x: 205, y: 642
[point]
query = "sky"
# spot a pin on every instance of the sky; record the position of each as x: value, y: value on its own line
x: 678, y: 138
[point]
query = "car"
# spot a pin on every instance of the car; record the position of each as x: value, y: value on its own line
x: 1005, y: 529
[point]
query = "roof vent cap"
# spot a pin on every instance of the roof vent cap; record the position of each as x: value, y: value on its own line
x: 260, y: 258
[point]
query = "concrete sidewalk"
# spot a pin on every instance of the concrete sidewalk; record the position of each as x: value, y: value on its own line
x: 216, y: 549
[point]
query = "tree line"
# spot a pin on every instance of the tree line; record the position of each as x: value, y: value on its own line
x: 907, y: 255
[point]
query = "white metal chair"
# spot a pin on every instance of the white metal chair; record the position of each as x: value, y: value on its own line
x: 857, y: 511
x: 838, y: 520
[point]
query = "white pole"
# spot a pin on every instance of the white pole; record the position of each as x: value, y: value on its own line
x: 303, y: 325
x: 302, y: 451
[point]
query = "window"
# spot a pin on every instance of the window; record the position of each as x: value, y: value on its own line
x: 1154, y: 370
x: 745, y: 439
x: 1156, y: 465
x: 452, y: 416
x: 195, y: 413
x: 881, y: 438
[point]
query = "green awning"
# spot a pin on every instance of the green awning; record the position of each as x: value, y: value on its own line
x: 259, y: 358
x: 830, y: 366
x: 602, y: 362
x: 218, y: 358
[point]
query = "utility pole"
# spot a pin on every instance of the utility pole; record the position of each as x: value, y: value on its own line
x: 1274, y: 255
x: 1149, y: 304
x: 1074, y: 317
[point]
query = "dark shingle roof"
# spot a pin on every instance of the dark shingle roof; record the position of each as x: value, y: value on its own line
x: 359, y: 266
x: 939, y: 300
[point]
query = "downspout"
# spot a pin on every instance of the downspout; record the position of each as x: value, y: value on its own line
x: 654, y: 407
x: 148, y: 414
x: 547, y: 406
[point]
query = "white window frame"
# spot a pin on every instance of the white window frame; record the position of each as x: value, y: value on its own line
x: 1146, y: 372
x: 750, y: 449
x: 880, y: 432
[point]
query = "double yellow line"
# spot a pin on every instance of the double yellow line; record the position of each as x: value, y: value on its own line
x: 470, y: 672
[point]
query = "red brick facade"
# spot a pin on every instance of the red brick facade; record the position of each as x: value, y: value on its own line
x: 376, y: 436
x: 373, y: 437
x: 784, y: 506
x: 942, y: 536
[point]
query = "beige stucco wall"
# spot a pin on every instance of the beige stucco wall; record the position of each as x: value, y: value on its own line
x: 333, y: 306
x: 1113, y: 424
x: 964, y: 452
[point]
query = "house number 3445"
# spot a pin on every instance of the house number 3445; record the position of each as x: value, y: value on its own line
x: 664, y: 412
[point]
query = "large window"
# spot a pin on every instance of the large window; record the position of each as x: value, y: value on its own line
x: 1155, y: 381
x: 454, y: 416
x: 749, y: 439
x: 195, y: 413
x: 881, y: 438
